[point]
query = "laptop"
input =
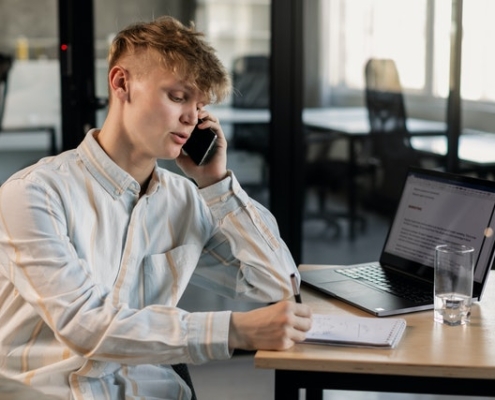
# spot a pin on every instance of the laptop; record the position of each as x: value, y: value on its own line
x: 434, y: 208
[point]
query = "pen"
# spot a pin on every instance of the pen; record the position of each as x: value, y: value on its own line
x: 297, y: 295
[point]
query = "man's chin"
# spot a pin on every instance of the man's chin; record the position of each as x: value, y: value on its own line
x: 171, y: 156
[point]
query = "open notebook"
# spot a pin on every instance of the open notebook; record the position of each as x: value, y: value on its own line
x: 434, y: 208
x: 355, y: 331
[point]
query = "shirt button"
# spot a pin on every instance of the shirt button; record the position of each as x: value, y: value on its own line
x: 224, y: 198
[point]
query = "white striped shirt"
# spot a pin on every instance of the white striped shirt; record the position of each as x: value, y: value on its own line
x: 91, y: 274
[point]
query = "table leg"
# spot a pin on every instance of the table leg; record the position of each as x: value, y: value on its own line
x: 285, y: 389
x: 314, y: 394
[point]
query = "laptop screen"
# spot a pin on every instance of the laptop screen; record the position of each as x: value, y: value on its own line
x: 440, y: 208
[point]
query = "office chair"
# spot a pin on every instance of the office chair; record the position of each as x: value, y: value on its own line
x: 183, y: 371
x: 6, y: 62
x: 322, y: 173
x: 327, y: 171
x: 389, y: 145
x: 251, y: 82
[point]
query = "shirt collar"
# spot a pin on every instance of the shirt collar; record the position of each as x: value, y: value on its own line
x: 108, y: 174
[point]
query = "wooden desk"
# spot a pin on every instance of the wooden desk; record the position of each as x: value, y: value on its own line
x: 431, y: 358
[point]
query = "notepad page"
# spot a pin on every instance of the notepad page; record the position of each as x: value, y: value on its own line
x: 355, y: 331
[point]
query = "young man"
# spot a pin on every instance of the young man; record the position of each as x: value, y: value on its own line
x: 98, y: 244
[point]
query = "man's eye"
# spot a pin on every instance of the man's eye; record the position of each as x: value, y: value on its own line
x: 177, y: 99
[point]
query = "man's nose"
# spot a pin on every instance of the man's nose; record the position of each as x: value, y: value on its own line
x: 190, y: 116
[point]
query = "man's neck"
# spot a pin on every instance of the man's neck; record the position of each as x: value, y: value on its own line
x: 123, y: 156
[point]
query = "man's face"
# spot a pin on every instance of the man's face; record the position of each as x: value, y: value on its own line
x: 160, y: 113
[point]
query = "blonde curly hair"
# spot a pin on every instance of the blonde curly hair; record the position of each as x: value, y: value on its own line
x: 180, y: 49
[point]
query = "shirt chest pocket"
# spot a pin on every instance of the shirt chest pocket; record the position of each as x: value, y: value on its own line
x: 166, y: 275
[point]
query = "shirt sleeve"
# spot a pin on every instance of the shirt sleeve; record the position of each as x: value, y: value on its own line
x: 247, y: 259
x: 41, y: 266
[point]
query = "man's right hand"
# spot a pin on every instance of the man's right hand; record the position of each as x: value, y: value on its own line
x: 275, y: 327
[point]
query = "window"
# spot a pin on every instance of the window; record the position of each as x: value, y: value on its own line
x: 478, y: 57
x: 360, y: 29
x: 416, y: 34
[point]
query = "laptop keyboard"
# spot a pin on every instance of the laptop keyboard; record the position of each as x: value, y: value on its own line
x: 375, y: 275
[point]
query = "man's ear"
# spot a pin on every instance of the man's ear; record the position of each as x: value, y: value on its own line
x: 118, y: 82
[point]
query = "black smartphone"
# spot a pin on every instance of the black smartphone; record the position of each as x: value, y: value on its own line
x: 201, y: 145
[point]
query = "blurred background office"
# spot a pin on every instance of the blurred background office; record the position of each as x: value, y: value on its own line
x: 338, y: 38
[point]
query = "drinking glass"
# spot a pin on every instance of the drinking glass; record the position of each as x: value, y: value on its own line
x: 453, y: 283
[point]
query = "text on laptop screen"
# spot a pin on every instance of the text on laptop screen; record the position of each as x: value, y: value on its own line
x: 439, y: 210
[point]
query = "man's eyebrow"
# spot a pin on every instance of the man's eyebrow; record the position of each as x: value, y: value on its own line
x: 181, y: 87
x: 191, y: 90
x: 187, y: 87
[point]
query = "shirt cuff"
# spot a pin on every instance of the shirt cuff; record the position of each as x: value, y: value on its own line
x: 225, y: 196
x: 209, y: 336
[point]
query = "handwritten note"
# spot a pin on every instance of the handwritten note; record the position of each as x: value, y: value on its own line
x: 356, y: 331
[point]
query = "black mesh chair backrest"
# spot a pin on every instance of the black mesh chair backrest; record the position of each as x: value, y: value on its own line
x: 5, y: 65
x: 386, y: 109
x: 251, y: 82
x: 390, y: 139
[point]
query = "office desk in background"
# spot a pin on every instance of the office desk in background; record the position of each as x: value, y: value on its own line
x: 476, y: 149
x: 230, y: 115
x: 431, y: 358
x: 351, y: 123
x: 32, y: 107
x: 28, y: 138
